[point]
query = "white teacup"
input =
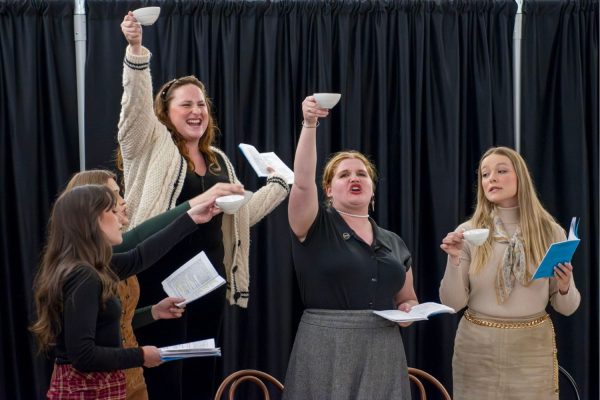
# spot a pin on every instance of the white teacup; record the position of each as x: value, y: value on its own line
x: 476, y: 236
x: 147, y: 15
x: 327, y: 100
x: 230, y: 204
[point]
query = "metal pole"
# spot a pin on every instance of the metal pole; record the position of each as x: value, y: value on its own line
x: 80, y: 29
x: 517, y: 39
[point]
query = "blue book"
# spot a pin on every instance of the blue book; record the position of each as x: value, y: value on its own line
x: 560, y: 252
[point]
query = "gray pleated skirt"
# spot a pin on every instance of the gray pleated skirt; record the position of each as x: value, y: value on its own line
x: 341, y: 355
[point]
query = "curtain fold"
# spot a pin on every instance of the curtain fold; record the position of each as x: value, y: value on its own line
x: 559, y: 121
x: 38, y: 151
x: 426, y: 88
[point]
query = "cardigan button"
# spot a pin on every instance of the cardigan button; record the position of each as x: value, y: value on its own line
x: 239, y: 243
x: 237, y: 295
x: 234, y: 269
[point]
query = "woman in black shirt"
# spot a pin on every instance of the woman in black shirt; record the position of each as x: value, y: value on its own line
x: 76, y: 291
x: 347, y: 266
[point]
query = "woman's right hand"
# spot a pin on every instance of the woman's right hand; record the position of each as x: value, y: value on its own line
x: 218, y: 190
x: 151, y: 356
x: 132, y: 31
x: 453, y: 245
x: 311, y: 111
x: 203, y: 212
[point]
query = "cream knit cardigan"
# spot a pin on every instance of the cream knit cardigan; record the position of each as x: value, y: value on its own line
x: 154, y: 172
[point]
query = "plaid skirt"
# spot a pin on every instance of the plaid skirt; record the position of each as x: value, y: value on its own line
x: 69, y: 384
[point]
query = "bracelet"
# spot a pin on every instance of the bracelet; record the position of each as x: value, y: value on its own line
x: 308, y: 126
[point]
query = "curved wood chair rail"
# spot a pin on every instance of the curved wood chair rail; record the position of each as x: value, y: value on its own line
x: 250, y: 375
x: 414, y: 374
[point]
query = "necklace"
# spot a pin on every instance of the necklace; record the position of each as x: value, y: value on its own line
x: 351, y: 215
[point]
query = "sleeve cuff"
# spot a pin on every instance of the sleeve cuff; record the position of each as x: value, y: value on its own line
x: 277, y: 179
x: 138, y: 62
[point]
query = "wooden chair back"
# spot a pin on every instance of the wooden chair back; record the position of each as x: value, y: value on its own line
x: 415, y: 375
x: 231, y: 383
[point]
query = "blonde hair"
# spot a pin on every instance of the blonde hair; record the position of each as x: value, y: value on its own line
x: 337, y: 158
x: 536, y: 223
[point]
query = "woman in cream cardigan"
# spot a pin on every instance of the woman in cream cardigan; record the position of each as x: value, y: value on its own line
x: 168, y: 157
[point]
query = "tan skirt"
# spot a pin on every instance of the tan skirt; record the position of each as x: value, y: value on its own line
x: 499, y: 359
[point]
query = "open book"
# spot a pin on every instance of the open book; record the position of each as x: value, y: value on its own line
x: 260, y: 162
x: 560, y: 252
x: 192, y: 280
x: 420, y: 312
x: 201, y: 348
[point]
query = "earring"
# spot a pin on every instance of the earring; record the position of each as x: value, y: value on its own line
x: 373, y: 203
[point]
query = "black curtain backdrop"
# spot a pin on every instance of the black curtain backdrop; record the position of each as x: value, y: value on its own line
x: 38, y: 151
x: 560, y: 142
x: 426, y: 88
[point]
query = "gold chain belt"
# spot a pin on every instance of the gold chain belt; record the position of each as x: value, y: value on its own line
x: 506, y: 324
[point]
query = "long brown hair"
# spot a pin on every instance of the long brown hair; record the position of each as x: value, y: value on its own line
x: 162, y: 100
x: 74, y: 239
x: 161, y: 109
x: 536, y: 223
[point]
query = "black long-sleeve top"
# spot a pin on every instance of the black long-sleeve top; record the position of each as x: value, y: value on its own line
x: 90, y: 337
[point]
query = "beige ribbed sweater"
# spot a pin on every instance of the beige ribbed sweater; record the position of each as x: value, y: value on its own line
x: 154, y: 172
x: 459, y: 289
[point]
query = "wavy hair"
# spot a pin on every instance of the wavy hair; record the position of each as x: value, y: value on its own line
x: 536, y: 223
x: 162, y: 100
x: 74, y: 239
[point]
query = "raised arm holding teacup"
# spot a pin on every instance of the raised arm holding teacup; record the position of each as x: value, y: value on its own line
x: 347, y: 266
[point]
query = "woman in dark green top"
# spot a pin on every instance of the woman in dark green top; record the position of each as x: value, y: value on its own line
x: 143, y: 316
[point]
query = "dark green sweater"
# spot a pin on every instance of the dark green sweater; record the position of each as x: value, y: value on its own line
x: 143, y: 316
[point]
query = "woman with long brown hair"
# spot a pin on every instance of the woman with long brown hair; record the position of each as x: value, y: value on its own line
x: 129, y: 289
x: 505, y: 346
x: 168, y: 156
x: 75, y: 289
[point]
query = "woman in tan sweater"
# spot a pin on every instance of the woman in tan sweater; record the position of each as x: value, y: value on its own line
x: 505, y: 345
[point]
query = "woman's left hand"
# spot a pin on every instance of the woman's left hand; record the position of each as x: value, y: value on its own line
x: 406, y: 307
x: 562, y: 274
x: 167, y: 308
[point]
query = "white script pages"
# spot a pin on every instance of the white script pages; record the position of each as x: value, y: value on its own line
x: 420, y: 312
x: 260, y: 161
x: 192, y: 280
x: 201, y: 348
